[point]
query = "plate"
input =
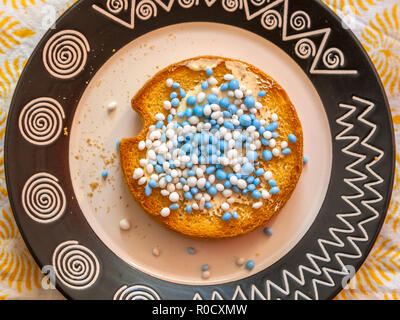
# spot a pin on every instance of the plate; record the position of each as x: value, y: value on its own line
x: 60, y: 137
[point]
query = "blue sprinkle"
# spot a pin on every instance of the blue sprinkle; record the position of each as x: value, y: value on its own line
x: 194, y: 191
x: 174, y: 206
x: 272, y: 183
x: 268, y: 231
x: 188, y: 112
x: 104, y: 174
x: 229, y: 125
x: 188, y: 196
x: 227, y: 184
x: 191, y: 100
x: 245, y: 120
x: 245, y: 191
x: 209, y: 72
x: 251, y: 187
x: 204, y: 85
x: 191, y: 250
x: 224, y: 103
x: 247, y: 169
x: 210, y: 170
x: 257, y: 123
x: 182, y: 93
x: 250, y: 179
x: 147, y: 191
x: 152, y: 184
x: 118, y: 142
x: 233, y: 84
x: 286, y: 151
x: 275, y: 135
x: 168, y: 178
x: 212, y: 190
x: 170, y: 118
x: 256, y: 194
x: 212, y: 98
x: 257, y: 181
x: 175, y: 85
x: 159, y: 169
x: 232, y: 108
x: 261, y: 130
x: 189, y: 209
x: 160, y: 159
x: 259, y: 172
x: 163, y: 137
x: 272, y: 126
x: 183, y: 181
x: 175, y: 102
x: 249, y: 102
x: 305, y: 160
x: 221, y: 174
x: 235, y: 189
x: 274, y: 190
x: 159, y: 124
x: 191, y: 173
x: 224, y: 87
x: 227, y: 216
x: 208, y: 205
x: 252, y: 155
x: 250, y: 265
x: 205, y: 267
x: 199, y: 111
x: 267, y: 155
x: 235, y: 215
x: 173, y: 95
x: 292, y: 138
x: 262, y: 94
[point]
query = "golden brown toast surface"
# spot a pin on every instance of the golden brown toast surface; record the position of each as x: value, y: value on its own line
x: 201, y: 224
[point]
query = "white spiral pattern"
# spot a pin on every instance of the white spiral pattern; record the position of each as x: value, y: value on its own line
x: 65, y: 54
x: 257, y: 3
x: 116, y: 6
x: 300, y: 20
x: 146, y: 9
x: 41, y: 121
x: 271, y: 20
x: 75, y: 265
x: 305, y: 48
x: 136, y: 292
x: 186, y: 3
x: 231, y: 5
x: 43, y: 199
x: 333, y: 58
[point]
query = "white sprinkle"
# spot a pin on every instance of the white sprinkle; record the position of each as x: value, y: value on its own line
x: 265, y: 194
x: 164, y: 193
x: 215, y: 91
x: 195, y: 206
x: 225, y: 206
x: 211, y: 178
x: 274, y: 117
x: 201, y: 97
x: 156, y: 252
x: 174, y: 197
x: 220, y: 187
x: 124, y: 224
x: 227, y: 193
x: 162, y: 184
x: 186, y: 188
x: 192, y: 181
x: 272, y: 143
x: 200, y: 183
x: 231, y: 200
x: 142, y: 181
x: 242, y: 184
x: 229, y: 77
x: 267, y: 135
x: 169, y: 82
x: 234, y: 180
x: 154, y: 177
x: 165, y: 212
x: 212, y: 81
x: 284, y: 144
x: 268, y: 175
x: 167, y: 105
x: 149, y: 168
x: 238, y: 94
x: 155, y: 135
x: 170, y: 187
x: 276, y: 152
x: 138, y: 173
x: 160, y: 117
x: 143, y: 162
x: 112, y: 106
x: 194, y: 120
x: 257, y: 205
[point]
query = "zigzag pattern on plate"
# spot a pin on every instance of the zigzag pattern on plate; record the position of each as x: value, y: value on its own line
x: 300, y: 21
x: 322, y: 276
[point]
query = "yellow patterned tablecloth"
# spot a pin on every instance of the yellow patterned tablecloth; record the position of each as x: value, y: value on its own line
x: 375, y: 22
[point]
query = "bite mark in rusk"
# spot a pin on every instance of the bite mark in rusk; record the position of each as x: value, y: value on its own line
x: 285, y: 166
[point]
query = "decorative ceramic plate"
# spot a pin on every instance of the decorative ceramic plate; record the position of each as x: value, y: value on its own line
x: 60, y: 138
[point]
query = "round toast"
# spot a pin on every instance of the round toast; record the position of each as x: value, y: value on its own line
x: 205, y: 223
